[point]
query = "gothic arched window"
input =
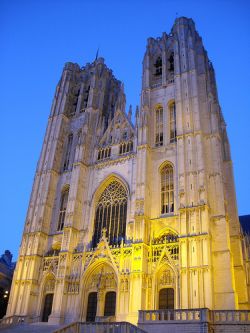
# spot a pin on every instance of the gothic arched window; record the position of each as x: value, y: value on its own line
x: 159, y: 126
x: 158, y: 66
x: 172, y: 122
x: 167, y: 190
x: 67, y: 154
x: 85, y: 98
x: 111, y: 214
x: 63, y: 207
x: 171, y: 62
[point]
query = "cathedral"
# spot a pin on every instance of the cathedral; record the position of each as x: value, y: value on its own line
x: 132, y: 213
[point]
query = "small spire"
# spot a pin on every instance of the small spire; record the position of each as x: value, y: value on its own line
x: 137, y: 111
x: 130, y: 112
x: 97, y: 54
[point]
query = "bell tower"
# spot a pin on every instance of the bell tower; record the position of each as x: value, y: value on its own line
x: 84, y: 103
x: 181, y: 121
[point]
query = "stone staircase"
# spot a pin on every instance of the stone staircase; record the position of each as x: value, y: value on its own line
x: 29, y: 328
x: 75, y: 327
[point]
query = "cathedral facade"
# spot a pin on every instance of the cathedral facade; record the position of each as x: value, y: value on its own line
x: 133, y: 215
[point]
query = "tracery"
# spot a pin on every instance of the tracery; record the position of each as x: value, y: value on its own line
x: 111, y: 214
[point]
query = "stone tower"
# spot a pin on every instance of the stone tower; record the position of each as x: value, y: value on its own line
x: 126, y: 217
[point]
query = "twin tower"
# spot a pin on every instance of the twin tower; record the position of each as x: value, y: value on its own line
x: 133, y: 214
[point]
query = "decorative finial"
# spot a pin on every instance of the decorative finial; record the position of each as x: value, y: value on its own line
x: 104, y: 230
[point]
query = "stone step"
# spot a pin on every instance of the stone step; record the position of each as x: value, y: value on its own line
x: 29, y: 328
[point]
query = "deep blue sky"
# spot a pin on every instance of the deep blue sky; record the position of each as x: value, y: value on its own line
x: 38, y: 37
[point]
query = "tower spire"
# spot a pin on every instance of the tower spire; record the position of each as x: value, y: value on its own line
x: 97, y: 54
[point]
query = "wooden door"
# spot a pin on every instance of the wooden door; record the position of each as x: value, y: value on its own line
x: 166, y: 298
x: 110, y: 303
x: 91, y: 308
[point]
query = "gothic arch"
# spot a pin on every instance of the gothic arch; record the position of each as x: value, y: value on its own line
x: 166, y: 276
x: 64, y: 188
x: 165, y: 163
x: 166, y: 188
x: 157, y: 65
x: 62, y: 207
x: 158, y: 106
x: 171, y: 116
x: 100, y: 277
x: 97, y: 196
x: 105, y: 182
x: 166, y: 231
x: 170, y: 102
x: 49, y: 275
x: 95, y: 266
x: 47, y: 286
x: 158, y: 125
x: 166, y: 279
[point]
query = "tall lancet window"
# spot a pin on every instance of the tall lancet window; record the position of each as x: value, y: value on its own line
x: 167, y: 190
x: 159, y: 126
x: 172, y: 122
x: 63, y: 207
x: 86, y: 98
x: 111, y: 214
x: 67, y: 154
x: 75, y: 101
x: 171, y: 62
x: 158, y: 67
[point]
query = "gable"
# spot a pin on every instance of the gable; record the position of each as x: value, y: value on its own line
x: 120, y: 129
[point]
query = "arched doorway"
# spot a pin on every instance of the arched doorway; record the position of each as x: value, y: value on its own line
x: 101, y: 286
x: 91, y: 307
x: 166, y: 288
x: 166, y: 298
x: 47, y: 308
x: 48, y: 295
x: 110, y: 304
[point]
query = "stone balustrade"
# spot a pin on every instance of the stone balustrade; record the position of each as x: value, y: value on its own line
x: 212, y: 316
x: 146, y: 316
x: 194, y: 321
x: 236, y: 316
x: 18, y: 319
x: 100, y: 327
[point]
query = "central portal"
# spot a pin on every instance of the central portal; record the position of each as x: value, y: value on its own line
x: 101, y: 288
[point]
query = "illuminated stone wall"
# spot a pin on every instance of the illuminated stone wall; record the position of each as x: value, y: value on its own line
x: 191, y: 247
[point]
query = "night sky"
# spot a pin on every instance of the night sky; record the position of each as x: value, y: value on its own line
x: 38, y: 37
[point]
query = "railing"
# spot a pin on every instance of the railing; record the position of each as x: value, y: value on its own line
x: 156, y: 250
x: 157, y: 84
x: 71, y: 328
x: 152, y: 316
x: 230, y: 316
x: 18, y: 319
x: 117, y: 327
x: 14, y: 320
x: 195, y: 315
